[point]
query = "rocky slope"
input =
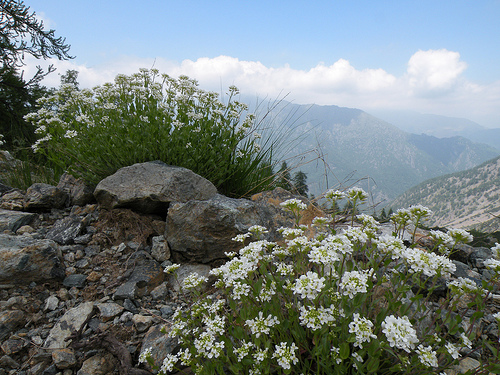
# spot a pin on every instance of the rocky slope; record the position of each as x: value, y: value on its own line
x: 82, y: 287
x: 468, y: 199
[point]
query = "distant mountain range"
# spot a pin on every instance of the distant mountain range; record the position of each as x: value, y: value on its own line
x: 441, y: 126
x: 467, y: 199
x: 350, y: 144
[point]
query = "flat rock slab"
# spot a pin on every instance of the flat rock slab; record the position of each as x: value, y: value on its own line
x: 150, y: 187
x: 69, y: 323
x: 13, y: 220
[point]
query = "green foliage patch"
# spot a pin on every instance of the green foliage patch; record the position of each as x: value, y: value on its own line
x: 151, y: 116
x: 343, y: 301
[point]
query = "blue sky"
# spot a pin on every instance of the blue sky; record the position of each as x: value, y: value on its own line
x: 437, y: 56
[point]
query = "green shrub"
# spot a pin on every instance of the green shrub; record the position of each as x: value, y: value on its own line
x: 352, y: 302
x: 148, y: 116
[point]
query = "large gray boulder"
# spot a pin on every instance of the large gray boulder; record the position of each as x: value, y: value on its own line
x: 202, y: 231
x: 23, y: 260
x: 150, y: 187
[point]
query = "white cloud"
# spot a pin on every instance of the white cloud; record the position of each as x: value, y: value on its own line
x: 433, y: 82
x: 434, y: 71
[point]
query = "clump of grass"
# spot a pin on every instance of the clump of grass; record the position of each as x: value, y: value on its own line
x: 151, y: 116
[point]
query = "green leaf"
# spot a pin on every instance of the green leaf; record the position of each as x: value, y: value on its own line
x: 373, y: 364
x: 344, y: 351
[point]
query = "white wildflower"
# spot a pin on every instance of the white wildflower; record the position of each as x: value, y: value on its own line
x: 309, y: 285
x: 427, y: 356
x: 453, y: 350
x: 261, y: 325
x: 144, y: 355
x: 362, y: 328
x: 399, y: 332
x: 354, y: 282
x: 285, y: 354
x: 293, y: 204
x: 315, y: 318
x: 193, y: 281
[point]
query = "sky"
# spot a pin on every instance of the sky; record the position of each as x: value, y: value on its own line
x: 440, y: 56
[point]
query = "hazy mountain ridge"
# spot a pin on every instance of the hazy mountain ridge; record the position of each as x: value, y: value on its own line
x: 351, y: 140
x: 441, y: 126
x: 467, y: 199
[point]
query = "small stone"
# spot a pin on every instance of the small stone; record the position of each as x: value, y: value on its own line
x: 70, y: 322
x: 130, y: 306
x: 126, y: 317
x: 127, y: 290
x: 75, y: 280
x: 160, y: 292
x: 51, y: 370
x: 94, y: 276
x: 84, y: 239
x: 82, y: 263
x: 37, y: 340
x: 79, y: 254
x: 159, y: 249
x: 69, y: 257
x: 64, y: 358
x: 166, y: 311
x: 51, y: 303
x: 63, y: 294
x: 120, y: 248
x: 14, y: 345
x: 8, y: 363
x: 25, y: 229
x: 141, y: 322
x: 99, y: 364
x: 9, y: 321
x: 91, y: 250
x: 465, y: 365
x: 109, y: 310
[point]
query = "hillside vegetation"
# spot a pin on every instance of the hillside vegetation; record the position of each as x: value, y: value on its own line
x: 467, y: 199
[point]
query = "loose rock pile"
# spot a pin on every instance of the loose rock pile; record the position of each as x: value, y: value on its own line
x: 82, y: 287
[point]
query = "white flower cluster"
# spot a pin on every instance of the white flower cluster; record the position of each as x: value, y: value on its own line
x: 207, y: 345
x: 391, y: 245
x: 363, y: 330
x: 418, y: 212
x: 309, y: 285
x: 494, y: 263
x: 334, y: 195
x: 356, y: 193
x: 324, y: 252
x: 427, y: 356
x: 399, y: 332
x: 285, y: 354
x: 244, y: 349
x: 462, y: 286
x: 293, y: 204
x: 355, y: 282
x: 260, y: 325
x: 193, y: 281
x: 270, y: 276
x: 315, y: 318
x: 428, y: 263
